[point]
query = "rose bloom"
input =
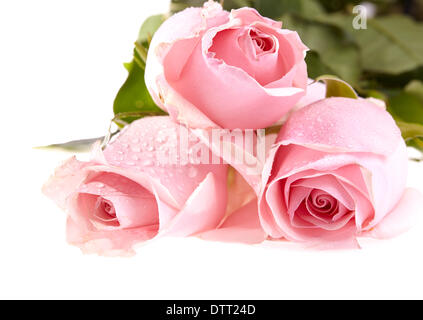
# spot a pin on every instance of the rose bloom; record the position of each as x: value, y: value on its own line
x: 337, y: 170
x: 207, y: 67
x: 124, y: 195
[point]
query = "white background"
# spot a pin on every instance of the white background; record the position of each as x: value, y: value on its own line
x: 60, y: 68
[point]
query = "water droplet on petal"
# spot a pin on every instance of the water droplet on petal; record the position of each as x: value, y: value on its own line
x: 147, y: 162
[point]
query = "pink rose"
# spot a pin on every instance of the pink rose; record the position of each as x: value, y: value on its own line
x: 338, y: 170
x: 208, y: 67
x: 124, y: 195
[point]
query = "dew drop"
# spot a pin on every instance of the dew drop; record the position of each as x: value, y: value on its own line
x: 161, y: 139
x: 147, y: 162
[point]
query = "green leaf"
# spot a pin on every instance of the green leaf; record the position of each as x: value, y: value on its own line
x: 390, y: 44
x: 344, y: 60
x: 415, y: 87
x: 315, y: 66
x: 133, y: 96
x: 268, y: 8
x: 83, y: 145
x: 410, y: 131
x: 147, y: 30
x: 407, y: 109
x: 275, y: 9
x: 336, y: 52
x: 407, y: 106
x: 236, y: 4
x: 149, y: 27
x: 376, y: 94
x: 416, y: 143
x: 336, y: 87
x: 179, y: 5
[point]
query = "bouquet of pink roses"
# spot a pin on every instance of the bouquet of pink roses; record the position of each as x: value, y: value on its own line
x: 223, y: 136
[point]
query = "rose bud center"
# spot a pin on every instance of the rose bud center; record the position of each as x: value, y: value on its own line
x: 105, y: 211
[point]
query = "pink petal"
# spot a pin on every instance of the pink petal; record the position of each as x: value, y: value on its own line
x: 180, y: 109
x: 277, y: 222
x: 202, y: 211
x: 246, y: 155
x: 239, y: 191
x: 383, y: 187
x: 229, y: 46
x: 150, y: 141
x: 296, y: 196
x: 239, y: 102
x: 401, y: 218
x: 109, y: 242
x: 65, y: 180
x: 338, y: 125
x: 327, y: 225
x: 315, y: 91
x: 241, y: 226
x: 135, y: 206
x: 330, y: 185
x: 188, y: 25
x: 248, y: 15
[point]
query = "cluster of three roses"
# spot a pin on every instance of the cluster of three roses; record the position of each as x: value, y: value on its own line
x: 336, y: 170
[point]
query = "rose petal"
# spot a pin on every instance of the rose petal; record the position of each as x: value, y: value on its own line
x: 329, y: 184
x: 65, y: 180
x: 248, y: 15
x: 401, y: 218
x: 188, y: 25
x: 241, y: 226
x: 201, y: 212
x: 134, y: 205
x: 149, y: 141
x: 338, y: 125
x: 315, y: 91
x: 109, y: 242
